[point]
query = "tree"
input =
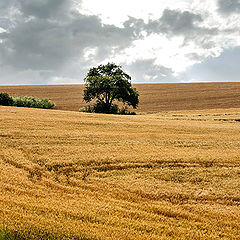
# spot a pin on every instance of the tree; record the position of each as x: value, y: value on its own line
x: 107, y: 83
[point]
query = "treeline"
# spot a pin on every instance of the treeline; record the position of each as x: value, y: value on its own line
x: 27, y: 101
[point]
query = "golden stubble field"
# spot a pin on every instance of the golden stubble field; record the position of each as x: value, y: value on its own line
x: 153, y: 97
x: 169, y: 175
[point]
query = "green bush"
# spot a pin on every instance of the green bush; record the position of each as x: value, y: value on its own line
x: 100, y: 107
x: 5, y: 99
x: 26, y: 101
x: 32, y: 102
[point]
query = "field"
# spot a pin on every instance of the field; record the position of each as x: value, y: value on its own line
x: 167, y: 175
x: 153, y: 97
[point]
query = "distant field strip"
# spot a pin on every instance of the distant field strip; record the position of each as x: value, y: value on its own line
x: 70, y: 175
x: 153, y: 97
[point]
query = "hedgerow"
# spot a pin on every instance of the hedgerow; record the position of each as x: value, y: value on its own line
x: 27, y: 101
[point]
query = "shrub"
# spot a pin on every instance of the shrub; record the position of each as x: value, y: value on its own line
x: 26, y: 101
x: 87, y: 109
x: 125, y: 111
x: 5, y: 99
x: 32, y: 102
x: 100, y: 108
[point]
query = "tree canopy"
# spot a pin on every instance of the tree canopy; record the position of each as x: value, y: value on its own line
x: 107, y: 83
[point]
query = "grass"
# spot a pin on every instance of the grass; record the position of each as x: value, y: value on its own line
x: 169, y: 175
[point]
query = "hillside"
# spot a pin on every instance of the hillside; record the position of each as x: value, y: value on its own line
x: 153, y: 97
x: 70, y: 175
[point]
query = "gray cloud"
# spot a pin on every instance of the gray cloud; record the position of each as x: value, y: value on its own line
x: 47, y: 35
x: 5, y: 6
x: 135, y: 25
x: 229, y: 6
x: 147, y: 71
x: 42, y: 44
x: 175, y: 23
x: 5, y: 23
x: 43, y: 8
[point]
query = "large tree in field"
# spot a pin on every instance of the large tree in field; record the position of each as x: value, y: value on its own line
x: 107, y: 83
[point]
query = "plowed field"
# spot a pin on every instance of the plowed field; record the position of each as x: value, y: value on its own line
x: 153, y: 97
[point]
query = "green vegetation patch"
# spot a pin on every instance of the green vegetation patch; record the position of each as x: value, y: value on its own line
x: 5, y: 234
x: 27, y: 101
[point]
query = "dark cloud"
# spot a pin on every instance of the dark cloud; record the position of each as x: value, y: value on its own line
x: 229, y: 6
x: 186, y: 24
x: 48, y: 34
x: 43, y: 8
x: 43, y: 44
x: 174, y: 23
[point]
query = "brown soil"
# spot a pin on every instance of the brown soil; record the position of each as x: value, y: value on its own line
x: 153, y: 97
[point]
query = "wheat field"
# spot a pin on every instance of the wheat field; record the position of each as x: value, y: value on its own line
x: 153, y: 97
x: 167, y: 175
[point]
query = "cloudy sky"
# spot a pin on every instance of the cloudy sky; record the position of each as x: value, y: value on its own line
x: 57, y: 41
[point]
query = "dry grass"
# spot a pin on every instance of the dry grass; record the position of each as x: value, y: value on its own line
x: 153, y: 97
x: 170, y: 175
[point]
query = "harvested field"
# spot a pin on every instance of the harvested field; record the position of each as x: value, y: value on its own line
x: 169, y: 175
x: 153, y: 97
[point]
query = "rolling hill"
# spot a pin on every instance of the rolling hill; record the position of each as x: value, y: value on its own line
x: 153, y: 97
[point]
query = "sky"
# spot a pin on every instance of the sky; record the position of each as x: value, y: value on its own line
x: 155, y: 41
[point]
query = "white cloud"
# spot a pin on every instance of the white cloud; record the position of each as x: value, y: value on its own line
x: 116, y: 12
